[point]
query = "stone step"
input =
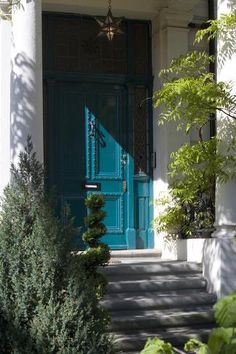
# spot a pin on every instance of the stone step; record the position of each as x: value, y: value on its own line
x: 135, y: 253
x: 156, y: 319
x: 127, y: 342
x: 158, y: 283
x: 156, y: 300
x: 125, y: 271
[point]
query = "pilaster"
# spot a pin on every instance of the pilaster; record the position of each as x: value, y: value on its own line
x: 26, y: 78
x: 219, y: 265
x: 170, y: 40
x: 225, y: 222
x: 5, y: 68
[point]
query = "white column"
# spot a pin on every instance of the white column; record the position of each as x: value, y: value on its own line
x: 5, y: 69
x: 26, y: 78
x: 170, y: 40
x: 220, y: 252
x: 226, y: 129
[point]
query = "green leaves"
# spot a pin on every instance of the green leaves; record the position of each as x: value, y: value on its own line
x: 225, y: 311
x: 222, y: 341
x: 157, y: 346
x: 194, y: 345
x: 226, y: 23
x: 190, y: 94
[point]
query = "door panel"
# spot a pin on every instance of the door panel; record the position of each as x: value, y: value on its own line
x: 86, y: 140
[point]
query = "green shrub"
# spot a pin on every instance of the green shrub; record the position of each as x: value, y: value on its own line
x: 98, y: 253
x: 47, y: 302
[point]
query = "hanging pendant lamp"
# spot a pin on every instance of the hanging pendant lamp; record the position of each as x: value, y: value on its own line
x: 110, y: 26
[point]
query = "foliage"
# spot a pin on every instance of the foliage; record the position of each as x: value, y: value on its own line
x: 47, y: 303
x: 194, y: 345
x: 98, y: 253
x: 193, y: 170
x: 225, y: 311
x: 222, y: 340
x: 190, y: 94
x: 219, y: 27
x: 172, y: 218
x: 157, y: 346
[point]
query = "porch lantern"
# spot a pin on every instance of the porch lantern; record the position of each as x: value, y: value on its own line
x: 110, y: 26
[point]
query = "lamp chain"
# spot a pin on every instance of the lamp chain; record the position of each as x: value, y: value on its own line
x: 109, y: 4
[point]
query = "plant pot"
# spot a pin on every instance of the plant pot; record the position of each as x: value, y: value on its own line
x: 174, y: 249
x: 190, y: 249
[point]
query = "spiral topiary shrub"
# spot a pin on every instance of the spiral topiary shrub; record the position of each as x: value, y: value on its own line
x: 98, y: 253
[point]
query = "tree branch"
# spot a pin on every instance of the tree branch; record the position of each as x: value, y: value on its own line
x: 200, y: 131
x: 227, y: 113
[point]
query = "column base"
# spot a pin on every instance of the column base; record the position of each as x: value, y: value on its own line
x: 219, y: 266
x: 225, y: 231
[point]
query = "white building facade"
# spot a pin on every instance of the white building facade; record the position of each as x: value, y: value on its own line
x: 22, y: 113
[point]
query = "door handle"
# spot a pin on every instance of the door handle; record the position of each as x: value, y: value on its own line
x: 124, y: 186
x: 92, y: 129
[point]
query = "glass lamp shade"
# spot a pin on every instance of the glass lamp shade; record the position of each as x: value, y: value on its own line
x: 109, y: 26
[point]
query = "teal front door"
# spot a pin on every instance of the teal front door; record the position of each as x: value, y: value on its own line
x: 98, y: 125
x: 89, y: 147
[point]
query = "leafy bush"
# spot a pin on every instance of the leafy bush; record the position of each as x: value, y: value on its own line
x: 47, y: 303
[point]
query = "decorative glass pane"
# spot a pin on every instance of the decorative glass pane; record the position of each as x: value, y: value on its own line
x: 141, y: 157
x: 76, y: 47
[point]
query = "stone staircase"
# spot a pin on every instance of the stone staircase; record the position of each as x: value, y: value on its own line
x: 148, y: 297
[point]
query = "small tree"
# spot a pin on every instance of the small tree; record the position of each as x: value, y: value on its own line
x: 47, y: 304
x: 190, y: 96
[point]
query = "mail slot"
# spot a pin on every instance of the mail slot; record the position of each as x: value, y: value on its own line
x: 91, y: 186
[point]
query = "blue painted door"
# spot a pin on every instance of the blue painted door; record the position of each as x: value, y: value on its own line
x: 88, y: 143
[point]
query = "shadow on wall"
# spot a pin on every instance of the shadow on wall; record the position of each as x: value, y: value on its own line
x: 219, y: 265
x: 23, y: 110
x: 227, y: 37
x: 230, y: 4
